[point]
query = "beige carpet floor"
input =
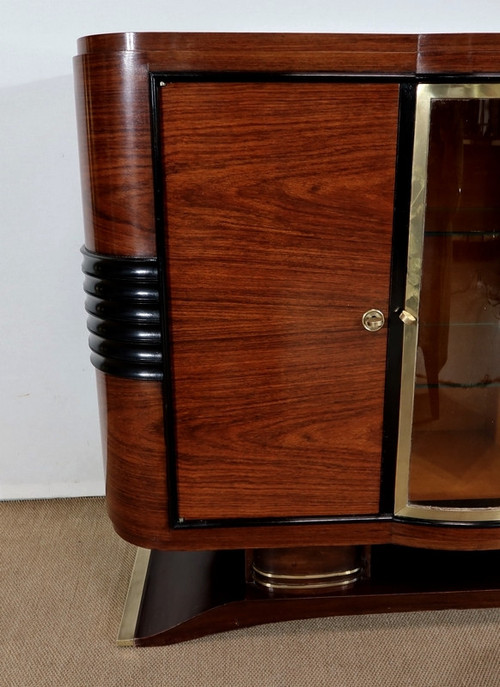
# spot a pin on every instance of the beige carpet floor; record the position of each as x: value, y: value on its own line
x: 64, y: 576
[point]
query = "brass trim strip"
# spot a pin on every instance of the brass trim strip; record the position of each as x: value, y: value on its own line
x: 324, y: 576
x: 131, y: 609
x: 402, y: 506
x: 319, y: 585
x: 451, y: 514
x: 412, y: 294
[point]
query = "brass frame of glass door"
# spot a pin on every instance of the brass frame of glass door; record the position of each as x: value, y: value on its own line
x: 402, y: 506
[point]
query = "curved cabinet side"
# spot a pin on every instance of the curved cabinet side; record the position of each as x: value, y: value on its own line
x: 112, y: 103
x: 135, y: 457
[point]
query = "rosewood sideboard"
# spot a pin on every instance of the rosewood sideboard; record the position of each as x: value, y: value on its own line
x: 292, y: 277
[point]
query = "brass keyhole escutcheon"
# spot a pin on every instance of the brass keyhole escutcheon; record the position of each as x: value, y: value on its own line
x: 373, y: 320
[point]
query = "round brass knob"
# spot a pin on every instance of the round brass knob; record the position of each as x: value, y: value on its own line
x: 373, y: 320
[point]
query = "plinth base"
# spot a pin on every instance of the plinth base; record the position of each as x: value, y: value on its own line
x: 175, y: 596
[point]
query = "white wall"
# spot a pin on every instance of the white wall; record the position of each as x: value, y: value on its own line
x: 49, y: 438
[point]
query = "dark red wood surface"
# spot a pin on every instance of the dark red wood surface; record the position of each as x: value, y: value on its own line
x: 446, y: 538
x: 132, y: 420
x: 131, y: 414
x: 136, y: 486
x: 462, y: 53
x: 354, y: 53
x: 112, y: 94
x: 112, y: 89
x: 279, y: 203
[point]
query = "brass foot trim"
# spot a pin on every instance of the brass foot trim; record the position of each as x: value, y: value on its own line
x: 332, y: 580
x: 126, y: 633
x: 318, y: 576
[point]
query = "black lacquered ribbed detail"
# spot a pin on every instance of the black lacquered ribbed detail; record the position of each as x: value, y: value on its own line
x: 118, y: 368
x: 111, y: 290
x: 115, y: 349
x: 113, y: 267
x: 125, y: 331
x: 123, y: 305
x: 125, y: 310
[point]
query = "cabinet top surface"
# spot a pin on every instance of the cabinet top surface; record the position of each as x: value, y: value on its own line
x: 348, y: 42
x: 160, y: 41
x: 466, y: 53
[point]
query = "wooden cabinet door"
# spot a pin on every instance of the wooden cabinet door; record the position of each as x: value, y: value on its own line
x: 278, y: 205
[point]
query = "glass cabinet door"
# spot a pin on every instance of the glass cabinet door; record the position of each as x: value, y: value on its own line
x: 448, y: 465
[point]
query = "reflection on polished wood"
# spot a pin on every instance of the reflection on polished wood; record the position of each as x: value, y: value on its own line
x: 458, y: 469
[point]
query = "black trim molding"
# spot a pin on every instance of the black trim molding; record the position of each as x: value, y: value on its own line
x: 123, y: 307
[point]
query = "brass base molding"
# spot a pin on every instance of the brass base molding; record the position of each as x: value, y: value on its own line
x: 315, y: 569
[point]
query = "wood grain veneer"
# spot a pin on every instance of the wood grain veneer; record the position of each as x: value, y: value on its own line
x: 343, y: 53
x: 463, y: 53
x: 279, y: 204
x: 112, y: 94
x: 114, y: 120
x: 459, y: 53
x: 136, y: 483
x: 136, y: 490
x: 446, y: 537
x: 131, y: 414
x: 113, y: 104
